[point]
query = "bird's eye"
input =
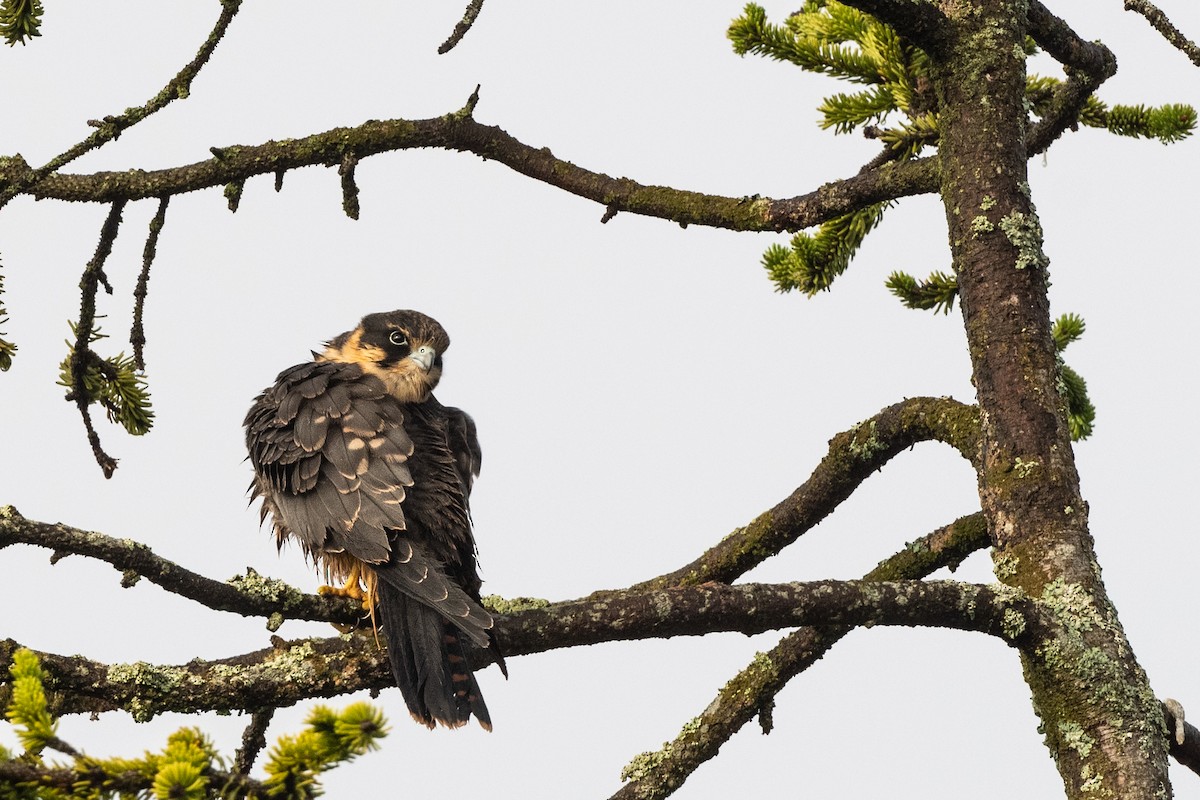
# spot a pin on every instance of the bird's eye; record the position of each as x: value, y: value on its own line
x: 397, y: 338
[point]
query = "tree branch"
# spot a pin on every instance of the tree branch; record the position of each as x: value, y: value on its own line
x: 459, y: 131
x: 290, y: 672
x: 1088, y: 64
x: 1057, y: 38
x: 917, y: 20
x: 464, y: 25
x: 248, y: 595
x: 82, y: 359
x: 1160, y: 22
x: 1184, y: 737
x: 853, y: 456
x: 111, y: 127
x: 752, y: 691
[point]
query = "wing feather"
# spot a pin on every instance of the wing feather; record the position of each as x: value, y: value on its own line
x: 334, y: 465
x: 330, y: 451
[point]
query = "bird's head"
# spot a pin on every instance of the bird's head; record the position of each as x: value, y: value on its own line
x: 401, y: 348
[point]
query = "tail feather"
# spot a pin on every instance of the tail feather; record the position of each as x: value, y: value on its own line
x: 429, y: 662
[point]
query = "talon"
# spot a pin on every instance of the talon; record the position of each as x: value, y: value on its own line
x: 352, y: 588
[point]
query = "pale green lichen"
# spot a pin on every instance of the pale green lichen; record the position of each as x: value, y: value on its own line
x: 1024, y: 468
x: 981, y: 225
x: 1012, y: 623
x: 271, y: 589
x: 1025, y: 233
x: 148, y: 681
x: 645, y: 764
x: 1076, y: 739
x: 1005, y: 564
x: 512, y: 605
x: 987, y: 203
x: 1090, y: 783
x: 1130, y: 707
x: 867, y: 447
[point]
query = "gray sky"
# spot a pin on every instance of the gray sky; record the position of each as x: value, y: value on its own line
x: 640, y: 389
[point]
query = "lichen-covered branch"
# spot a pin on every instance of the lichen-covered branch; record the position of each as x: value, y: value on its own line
x: 461, y: 28
x: 1161, y: 23
x: 248, y: 595
x: 853, y: 456
x: 111, y: 127
x: 289, y: 672
x: 459, y: 131
x: 752, y: 691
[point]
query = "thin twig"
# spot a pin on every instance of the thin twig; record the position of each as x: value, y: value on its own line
x: 349, y: 185
x: 464, y: 25
x: 111, y: 127
x: 249, y: 595
x: 82, y: 358
x: 1159, y: 21
x: 254, y: 739
x: 137, y: 335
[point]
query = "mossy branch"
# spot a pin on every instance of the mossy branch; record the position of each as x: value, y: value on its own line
x: 1161, y: 23
x: 111, y: 127
x: 461, y: 28
x: 853, y: 456
x: 752, y: 691
x: 289, y: 672
x: 460, y: 132
x: 137, y: 334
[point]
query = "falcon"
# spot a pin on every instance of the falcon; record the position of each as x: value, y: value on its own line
x: 356, y: 461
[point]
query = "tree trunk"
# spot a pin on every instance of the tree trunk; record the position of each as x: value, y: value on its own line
x: 1100, y: 719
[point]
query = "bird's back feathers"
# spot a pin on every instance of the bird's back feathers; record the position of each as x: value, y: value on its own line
x: 357, y: 477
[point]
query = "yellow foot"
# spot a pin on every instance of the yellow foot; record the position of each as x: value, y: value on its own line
x: 352, y: 588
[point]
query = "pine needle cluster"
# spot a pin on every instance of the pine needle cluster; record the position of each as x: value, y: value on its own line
x: 20, y: 20
x: 935, y: 293
x: 188, y: 767
x: 897, y: 107
x: 1081, y: 414
x: 115, y: 383
x: 1168, y: 123
x: 332, y: 738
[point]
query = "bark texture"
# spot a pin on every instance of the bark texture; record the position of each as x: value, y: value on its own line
x: 1100, y: 719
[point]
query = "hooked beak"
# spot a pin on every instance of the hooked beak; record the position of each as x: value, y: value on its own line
x: 424, y: 355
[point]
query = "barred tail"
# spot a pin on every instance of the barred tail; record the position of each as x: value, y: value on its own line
x: 429, y: 662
